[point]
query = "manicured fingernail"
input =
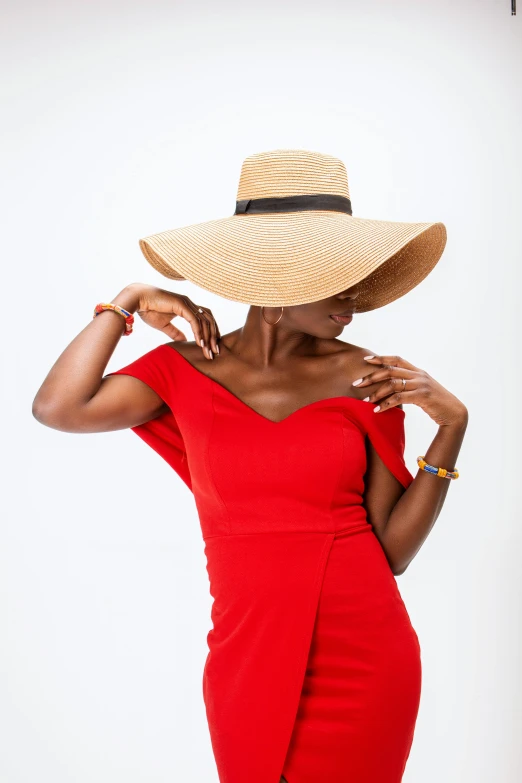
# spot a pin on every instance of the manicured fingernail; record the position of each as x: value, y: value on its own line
x: 366, y: 399
x: 357, y: 382
x: 378, y: 408
x: 369, y: 357
x: 202, y: 343
x: 217, y: 348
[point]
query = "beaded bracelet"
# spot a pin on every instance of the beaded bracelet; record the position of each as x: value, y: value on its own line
x: 441, y: 472
x: 129, y: 318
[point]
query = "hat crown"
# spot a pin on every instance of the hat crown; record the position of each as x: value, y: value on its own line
x: 281, y: 173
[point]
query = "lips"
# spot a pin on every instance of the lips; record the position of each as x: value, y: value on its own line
x: 341, y: 319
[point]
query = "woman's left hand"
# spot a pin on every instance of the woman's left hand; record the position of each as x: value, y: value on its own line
x: 420, y: 389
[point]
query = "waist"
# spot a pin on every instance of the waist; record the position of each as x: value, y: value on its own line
x: 239, y: 515
x: 361, y: 527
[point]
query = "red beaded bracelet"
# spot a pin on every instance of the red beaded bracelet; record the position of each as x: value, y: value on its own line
x: 129, y: 318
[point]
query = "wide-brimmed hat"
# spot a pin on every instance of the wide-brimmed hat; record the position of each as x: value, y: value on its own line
x: 293, y: 240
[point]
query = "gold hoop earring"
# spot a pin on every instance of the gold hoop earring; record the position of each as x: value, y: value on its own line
x: 269, y: 322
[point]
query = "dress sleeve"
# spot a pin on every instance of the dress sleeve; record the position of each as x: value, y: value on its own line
x: 387, y: 435
x: 161, y: 433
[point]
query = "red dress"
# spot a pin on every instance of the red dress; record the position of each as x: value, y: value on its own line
x: 314, y: 669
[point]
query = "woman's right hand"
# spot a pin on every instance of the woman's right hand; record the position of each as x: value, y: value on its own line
x: 76, y: 397
x: 158, y: 307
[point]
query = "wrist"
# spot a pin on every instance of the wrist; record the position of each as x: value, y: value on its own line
x: 461, y: 420
x: 129, y: 297
x: 458, y: 424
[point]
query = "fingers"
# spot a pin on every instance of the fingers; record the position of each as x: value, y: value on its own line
x: 394, y: 389
x: 188, y: 311
x: 398, y: 379
x: 391, y: 374
x: 161, y: 307
x: 387, y: 361
x: 393, y: 401
x: 206, y: 332
x: 212, y: 329
x: 174, y: 333
x: 205, y: 329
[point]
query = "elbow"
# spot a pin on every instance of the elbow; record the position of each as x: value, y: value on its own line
x: 39, y: 411
x: 398, y: 564
x: 43, y: 414
x: 49, y: 415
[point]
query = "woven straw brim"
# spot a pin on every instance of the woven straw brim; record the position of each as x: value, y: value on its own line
x: 299, y: 257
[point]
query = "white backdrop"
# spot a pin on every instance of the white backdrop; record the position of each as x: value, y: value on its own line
x: 125, y: 119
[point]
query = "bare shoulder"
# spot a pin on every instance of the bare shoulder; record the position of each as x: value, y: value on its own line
x: 189, y: 349
x: 348, y: 356
x: 349, y: 360
x: 192, y: 351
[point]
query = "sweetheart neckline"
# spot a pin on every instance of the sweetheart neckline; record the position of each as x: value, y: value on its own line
x: 338, y: 398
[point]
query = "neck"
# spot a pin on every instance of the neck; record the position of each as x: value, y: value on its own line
x: 263, y: 344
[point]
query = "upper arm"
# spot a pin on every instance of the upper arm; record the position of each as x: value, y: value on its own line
x: 122, y: 401
x: 125, y: 398
x: 382, y: 490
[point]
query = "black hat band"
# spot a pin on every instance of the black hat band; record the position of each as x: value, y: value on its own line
x: 323, y: 201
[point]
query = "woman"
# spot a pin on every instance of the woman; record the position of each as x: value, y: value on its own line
x: 292, y: 442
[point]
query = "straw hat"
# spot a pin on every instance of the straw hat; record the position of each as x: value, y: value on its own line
x: 293, y: 240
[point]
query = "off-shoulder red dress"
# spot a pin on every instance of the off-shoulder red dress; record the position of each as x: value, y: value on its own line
x: 314, y: 668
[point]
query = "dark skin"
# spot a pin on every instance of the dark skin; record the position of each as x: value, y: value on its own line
x: 275, y: 370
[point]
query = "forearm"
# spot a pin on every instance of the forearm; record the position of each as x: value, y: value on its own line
x: 76, y: 375
x: 417, y: 510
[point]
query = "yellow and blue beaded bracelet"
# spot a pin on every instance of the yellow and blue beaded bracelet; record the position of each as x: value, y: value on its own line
x: 441, y: 472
